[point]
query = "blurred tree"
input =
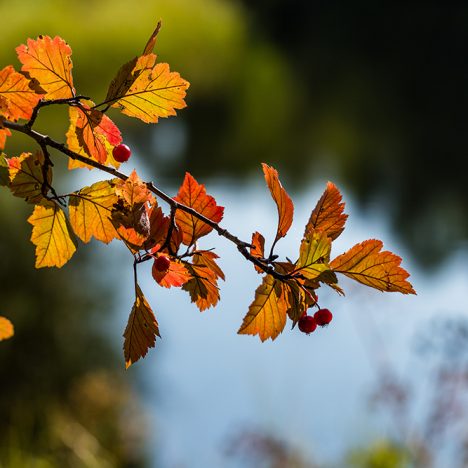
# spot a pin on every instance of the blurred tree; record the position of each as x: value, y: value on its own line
x: 63, y: 401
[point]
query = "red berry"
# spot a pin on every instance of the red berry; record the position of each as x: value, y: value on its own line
x: 323, y: 317
x: 121, y: 153
x: 162, y: 263
x: 307, y: 324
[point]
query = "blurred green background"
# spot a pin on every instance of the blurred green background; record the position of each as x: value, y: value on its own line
x: 369, y: 94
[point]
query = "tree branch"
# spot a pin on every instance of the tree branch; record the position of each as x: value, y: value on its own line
x: 46, y: 141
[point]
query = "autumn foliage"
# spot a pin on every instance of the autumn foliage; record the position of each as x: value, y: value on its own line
x: 126, y: 209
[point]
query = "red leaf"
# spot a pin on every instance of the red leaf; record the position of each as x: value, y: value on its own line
x: 193, y: 195
x: 176, y: 275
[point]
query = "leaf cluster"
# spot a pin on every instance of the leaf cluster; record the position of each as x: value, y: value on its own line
x: 127, y: 209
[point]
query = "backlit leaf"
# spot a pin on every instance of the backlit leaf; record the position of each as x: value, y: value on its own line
x: 93, y: 134
x: 283, y: 202
x: 6, y: 329
x: 193, y: 195
x: 149, y: 92
x: 367, y: 264
x: 202, y: 286
x: 90, y: 211
x: 51, y: 235
x: 267, y: 313
x: 314, y: 254
x: 258, y: 248
x: 208, y: 258
x: 132, y: 224
x: 176, y: 275
x: 17, y: 98
x: 328, y: 214
x: 141, y: 331
x: 133, y: 190
x: 49, y: 62
x: 26, y: 176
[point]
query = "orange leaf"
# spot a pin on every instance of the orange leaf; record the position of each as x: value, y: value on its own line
x: 4, y: 133
x: 132, y: 224
x: 17, y: 98
x: 91, y: 209
x: 258, y: 248
x: 133, y: 190
x: 6, y: 329
x: 141, y: 331
x: 149, y: 91
x: 297, y: 301
x: 51, y: 235
x: 328, y: 214
x: 202, y: 286
x: 314, y: 254
x: 49, y: 62
x: 380, y: 270
x: 92, y: 134
x: 193, y: 195
x: 283, y: 202
x: 267, y: 313
x: 176, y: 275
x: 26, y: 176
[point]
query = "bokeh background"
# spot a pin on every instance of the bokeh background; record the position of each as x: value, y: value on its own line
x: 370, y: 95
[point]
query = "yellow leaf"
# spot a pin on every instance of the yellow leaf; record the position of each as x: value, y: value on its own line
x: 380, y: 270
x: 91, y: 209
x: 267, y: 313
x: 153, y: 90
x: 17, y: 98
x: 49, y: 62
x: 133, y: 190
x: 26, y: 176
x: 328, y: 214
x: 51, y: 235
x: 6, y: 329
x: 141, y: 331
x: 314, y: 254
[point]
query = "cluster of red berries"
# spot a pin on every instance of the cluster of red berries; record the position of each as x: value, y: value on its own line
x: 308, y: 323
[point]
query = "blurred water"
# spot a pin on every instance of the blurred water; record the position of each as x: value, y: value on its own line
x: 203, y: 383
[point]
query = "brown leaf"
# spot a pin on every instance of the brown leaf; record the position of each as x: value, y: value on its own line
x: 367, y: 264
x: 26, y: 176
x: 141, y: 331
x: 202, y: 286
x: 328, y: 214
